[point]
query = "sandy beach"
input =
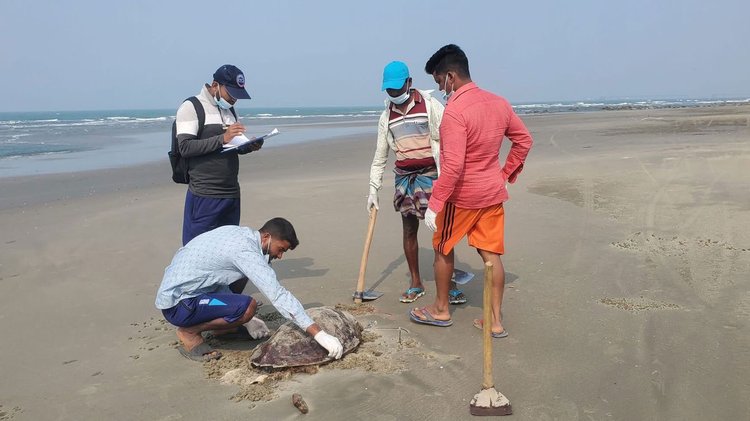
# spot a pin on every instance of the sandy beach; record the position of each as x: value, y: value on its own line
x: 627, y: 294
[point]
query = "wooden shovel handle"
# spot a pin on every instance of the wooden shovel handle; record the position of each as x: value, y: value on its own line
x: 365, y: 253
x: 487, y: 325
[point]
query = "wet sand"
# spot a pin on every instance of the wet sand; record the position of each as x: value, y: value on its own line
x: 626, y: 298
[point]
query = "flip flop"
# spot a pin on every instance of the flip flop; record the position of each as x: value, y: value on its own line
x: 429, y: 319
x: 418, y: 291
x: 456, y: 296
x: 199, y: 353
x: 497, y: 335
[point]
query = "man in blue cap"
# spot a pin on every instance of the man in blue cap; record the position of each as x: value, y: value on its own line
x: 410, y: 126
x: 213, y: 195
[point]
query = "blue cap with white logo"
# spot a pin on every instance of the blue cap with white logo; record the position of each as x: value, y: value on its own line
x: 233, y: 79
x: 395, y: 75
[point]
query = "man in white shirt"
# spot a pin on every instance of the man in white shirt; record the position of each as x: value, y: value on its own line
x: 195, y: 296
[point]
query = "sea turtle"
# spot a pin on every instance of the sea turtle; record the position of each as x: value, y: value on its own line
x: 291, y: 347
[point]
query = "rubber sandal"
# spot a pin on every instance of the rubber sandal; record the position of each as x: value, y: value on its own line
x: 456, y: 296
x: 418, y: 291
x: 429, y: 319
x: 200, y: 353
x: 497, y: 335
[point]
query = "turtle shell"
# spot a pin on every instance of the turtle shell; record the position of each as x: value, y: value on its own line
x: 290, y: 346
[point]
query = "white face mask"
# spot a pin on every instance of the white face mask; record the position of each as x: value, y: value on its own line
x: 446, y: 94
x: 401, y: 98
x: 268, y: 251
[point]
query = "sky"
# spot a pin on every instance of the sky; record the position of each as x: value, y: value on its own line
x: 147, y: 54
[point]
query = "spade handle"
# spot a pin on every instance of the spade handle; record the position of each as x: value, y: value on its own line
x: 365, y: 253
x: 487, y: 327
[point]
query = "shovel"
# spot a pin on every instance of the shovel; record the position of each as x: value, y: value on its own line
x: 360, y: 294
x: 488, y: 401
x: 462, y: 277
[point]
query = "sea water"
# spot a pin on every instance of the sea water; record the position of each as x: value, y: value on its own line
x: 68, y: 141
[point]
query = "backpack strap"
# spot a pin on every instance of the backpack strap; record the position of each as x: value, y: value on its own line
x: 234, y: 113
x: 200, y: 112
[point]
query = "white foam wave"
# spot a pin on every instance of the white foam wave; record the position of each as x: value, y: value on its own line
x: 271, y: 116
x: 151, y: 119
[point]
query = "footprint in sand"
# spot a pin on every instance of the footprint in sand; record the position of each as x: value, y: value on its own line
x: 7, y: 413
x: 707, y: 265
x: 635, y: 305
x: 150, y: 335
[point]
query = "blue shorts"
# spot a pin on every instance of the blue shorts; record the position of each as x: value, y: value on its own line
x: 207, y: 307
x: 202, y: 214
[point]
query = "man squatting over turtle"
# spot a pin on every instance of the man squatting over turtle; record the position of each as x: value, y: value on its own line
x: 195, y: 292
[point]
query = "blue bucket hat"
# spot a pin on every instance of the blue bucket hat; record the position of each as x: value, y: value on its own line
x: 394, y: 75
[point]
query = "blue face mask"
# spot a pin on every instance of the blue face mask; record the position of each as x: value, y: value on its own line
x: 221, y: 102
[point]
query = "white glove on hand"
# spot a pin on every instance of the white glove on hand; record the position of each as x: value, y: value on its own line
x: 372, y: 200
x: 330, y: 343
x: 429, y: 220
x: 257, y: 328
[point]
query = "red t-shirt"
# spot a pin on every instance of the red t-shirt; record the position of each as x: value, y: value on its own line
x: 472, y: 130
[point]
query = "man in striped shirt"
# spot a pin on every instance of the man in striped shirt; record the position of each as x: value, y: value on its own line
x: 467, y: 199
x: 409, y: 126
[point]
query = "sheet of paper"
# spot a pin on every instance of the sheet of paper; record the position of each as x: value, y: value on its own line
x: 242, y: 139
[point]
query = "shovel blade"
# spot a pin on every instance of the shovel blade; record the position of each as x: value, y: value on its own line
x: 367, y: 295
x: 461, y: 277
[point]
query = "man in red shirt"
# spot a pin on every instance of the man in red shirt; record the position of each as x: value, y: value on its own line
x: 467, y: 198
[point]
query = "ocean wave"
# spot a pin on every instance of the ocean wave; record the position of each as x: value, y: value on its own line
x: 18, y: 155
x: 152, y: 119
x: 271, y: 116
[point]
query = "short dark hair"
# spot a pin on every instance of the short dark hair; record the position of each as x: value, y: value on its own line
x: 448, y: 58
x: 282, y: 230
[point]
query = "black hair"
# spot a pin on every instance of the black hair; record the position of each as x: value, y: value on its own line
x: 282, y: 230
x: 448, y: 58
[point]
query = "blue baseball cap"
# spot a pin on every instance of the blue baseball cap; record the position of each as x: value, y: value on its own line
x: 395, y: 75
x: 233, y: 79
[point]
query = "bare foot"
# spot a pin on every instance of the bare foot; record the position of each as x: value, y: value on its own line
x: 437, y: 315
x: 496, y: 328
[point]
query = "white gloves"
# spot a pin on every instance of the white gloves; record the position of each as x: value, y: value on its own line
x: 330, y: 343
x: 257, y: 328
x: 429, y: 219
x: 372, y: 200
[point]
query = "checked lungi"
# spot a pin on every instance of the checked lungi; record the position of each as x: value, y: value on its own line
x: 413, y: 190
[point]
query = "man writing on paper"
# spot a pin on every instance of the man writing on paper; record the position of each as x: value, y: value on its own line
x: 213, y: 195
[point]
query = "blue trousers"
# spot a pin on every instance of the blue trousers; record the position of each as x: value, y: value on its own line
x: 202, y: 214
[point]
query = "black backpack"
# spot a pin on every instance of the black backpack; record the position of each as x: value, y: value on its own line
x: 180, y: 164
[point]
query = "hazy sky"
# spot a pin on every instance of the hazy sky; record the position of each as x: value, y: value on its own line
x: 88, y: 55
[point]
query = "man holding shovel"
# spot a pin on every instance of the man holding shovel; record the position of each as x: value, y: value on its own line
x: 410, y: 126
x: 467, y: 199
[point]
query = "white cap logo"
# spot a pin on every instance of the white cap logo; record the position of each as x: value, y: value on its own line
x: 241, y: 80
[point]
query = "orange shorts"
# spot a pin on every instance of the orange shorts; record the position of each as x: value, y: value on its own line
x: 485, y: 228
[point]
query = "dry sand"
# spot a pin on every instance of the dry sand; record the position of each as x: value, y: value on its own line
x: 627, y: 264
